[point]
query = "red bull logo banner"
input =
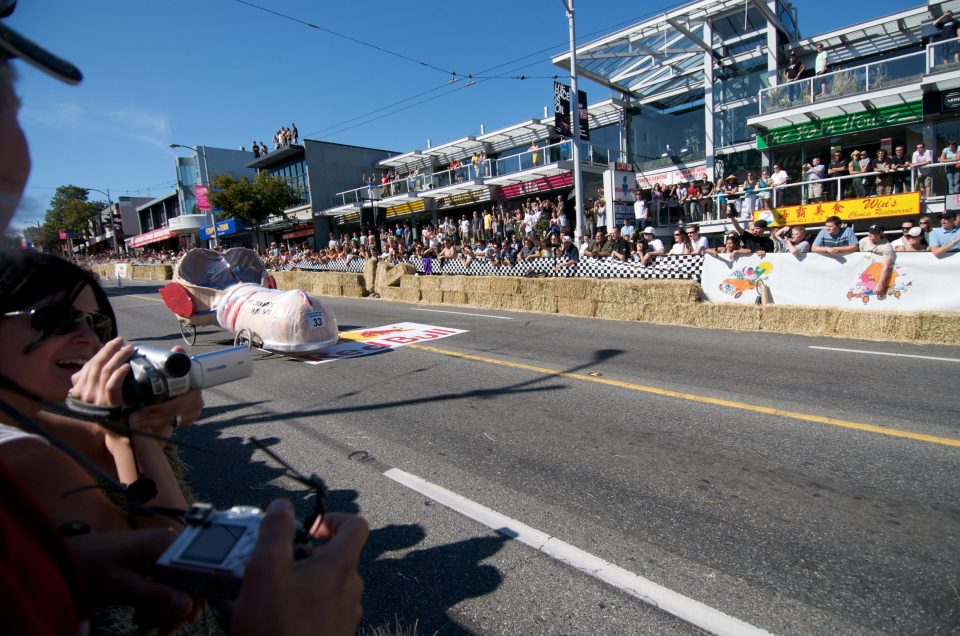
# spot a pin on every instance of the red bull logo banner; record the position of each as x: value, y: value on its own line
x: 366, y: 342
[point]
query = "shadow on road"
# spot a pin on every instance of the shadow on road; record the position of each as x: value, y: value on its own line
x: 416, y: 586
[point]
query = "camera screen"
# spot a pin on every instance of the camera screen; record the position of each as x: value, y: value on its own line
x: 213, y: 543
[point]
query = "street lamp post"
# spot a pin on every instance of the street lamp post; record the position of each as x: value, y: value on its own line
x: 575, y: 121
x: 206, y: 179
x: 113, y: 223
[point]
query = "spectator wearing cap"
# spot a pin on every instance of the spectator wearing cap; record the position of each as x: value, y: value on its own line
x: 833, y: 239
x: 946, y: 238
x: 754, y: 239
x: 570, y: 255
x: 912, y: 241
x: 654, y: 246
x: 876, y: 243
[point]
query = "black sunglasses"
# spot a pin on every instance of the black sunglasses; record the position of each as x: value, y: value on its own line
x: 57, y: 319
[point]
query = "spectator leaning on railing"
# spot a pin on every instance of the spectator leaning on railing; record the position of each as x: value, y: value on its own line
x: 791, y: 240
x: 833, y: 239
x: 946, y: 238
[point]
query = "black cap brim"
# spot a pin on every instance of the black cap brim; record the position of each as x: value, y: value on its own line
x: 12, y: 44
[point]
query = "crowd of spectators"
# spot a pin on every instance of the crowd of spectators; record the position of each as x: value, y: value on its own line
x: 507, y: 240
x: 859, y: 174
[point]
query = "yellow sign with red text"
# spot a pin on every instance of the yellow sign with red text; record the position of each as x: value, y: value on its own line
x: 849, y: 210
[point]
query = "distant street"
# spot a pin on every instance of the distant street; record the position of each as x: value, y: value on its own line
x: 744, y: 483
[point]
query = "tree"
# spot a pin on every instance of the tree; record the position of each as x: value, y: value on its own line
x: 253, y: 202
x: 69, y: 211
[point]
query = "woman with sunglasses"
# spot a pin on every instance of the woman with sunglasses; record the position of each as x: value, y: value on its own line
x: 681, y: 242
x: 59, y: 335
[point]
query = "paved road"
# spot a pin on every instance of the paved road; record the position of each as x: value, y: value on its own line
x: 753, y: 477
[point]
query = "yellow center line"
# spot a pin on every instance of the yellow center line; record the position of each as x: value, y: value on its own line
x: 703, y: 399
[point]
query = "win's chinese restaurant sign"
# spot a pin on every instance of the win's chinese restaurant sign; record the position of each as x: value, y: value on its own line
x: 848, y: 210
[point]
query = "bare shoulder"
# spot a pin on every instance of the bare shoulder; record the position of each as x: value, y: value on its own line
x: 64, y: 489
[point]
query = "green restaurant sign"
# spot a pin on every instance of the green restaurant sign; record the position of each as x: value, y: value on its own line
x: 906, y: 113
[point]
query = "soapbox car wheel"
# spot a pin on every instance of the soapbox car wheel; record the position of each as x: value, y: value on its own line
x: 188, y: 332
x: 246, y: 338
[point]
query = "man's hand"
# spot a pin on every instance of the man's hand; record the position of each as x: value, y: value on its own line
x: 316, y: 595
x: 113, y: 568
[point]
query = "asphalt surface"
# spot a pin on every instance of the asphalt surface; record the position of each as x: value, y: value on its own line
x: 800, y: 490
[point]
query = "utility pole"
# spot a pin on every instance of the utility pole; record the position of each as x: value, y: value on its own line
x: 575, y: 123
x: 113, y: 223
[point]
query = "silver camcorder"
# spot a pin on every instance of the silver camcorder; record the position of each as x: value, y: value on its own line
x: 209, y: 556
x: 159, y: 374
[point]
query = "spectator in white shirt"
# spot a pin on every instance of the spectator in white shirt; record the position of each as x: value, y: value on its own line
x: 698, y: 244
x: 920, y: 161
x: 654, y: 246
x: 627, y: 230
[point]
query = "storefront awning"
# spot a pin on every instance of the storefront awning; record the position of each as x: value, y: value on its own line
x: 152, y: 237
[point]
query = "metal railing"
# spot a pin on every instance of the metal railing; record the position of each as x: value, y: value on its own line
x: 897, y: 71
x: 590, y: 153
x: 934, y: 180
x: 943, y: 56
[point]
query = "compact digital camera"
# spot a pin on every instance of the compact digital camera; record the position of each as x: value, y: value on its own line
x: 209, y: 556
x: 158, y: 374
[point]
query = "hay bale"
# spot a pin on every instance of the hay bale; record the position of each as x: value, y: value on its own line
x: 545, y: 304
x: 451, y: 283
x: 410, y: 282
x: 454, y: 298
x: 354, y: 291
x: 575, y: 288
x: 430, y: 283
x: 331, y: 290
x: 484, y: 299
x: 431, y: 296
x: 939, y: 328
x: 382, y: 271
x: 349, y: 279
x: 370, y: 274
x: 508, y: 286
x: 392, y: 275
x: 617, y: 310
x: 577, y: 306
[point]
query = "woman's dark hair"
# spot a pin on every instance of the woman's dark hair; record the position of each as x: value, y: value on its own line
x: 27, y: 276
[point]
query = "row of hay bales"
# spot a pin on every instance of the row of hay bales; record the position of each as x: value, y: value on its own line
x: 669, y: 302
x: 137, y: 272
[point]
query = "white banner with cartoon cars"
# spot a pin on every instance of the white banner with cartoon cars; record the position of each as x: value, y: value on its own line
x: 915, y: 281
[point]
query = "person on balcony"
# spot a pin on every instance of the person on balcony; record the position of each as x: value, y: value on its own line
x: 838, y: 168
x: 813, y: 172
x: 792, y: 73
x: 820, y: 69
x: 884, y: 180
x: 900, y: 169
x: 949, y: 156
x: 947, y: 26
x: 921, y: 161
x: 856, y: 167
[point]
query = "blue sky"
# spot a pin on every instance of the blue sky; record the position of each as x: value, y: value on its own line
x: 222, y: 73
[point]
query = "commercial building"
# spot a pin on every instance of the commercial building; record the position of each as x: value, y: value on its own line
x: 318, y: 170
x: 702, y: 95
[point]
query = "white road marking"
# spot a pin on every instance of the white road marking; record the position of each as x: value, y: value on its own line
x: 885, y: 353
x: 463, y: 313
x: 694, y: 612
